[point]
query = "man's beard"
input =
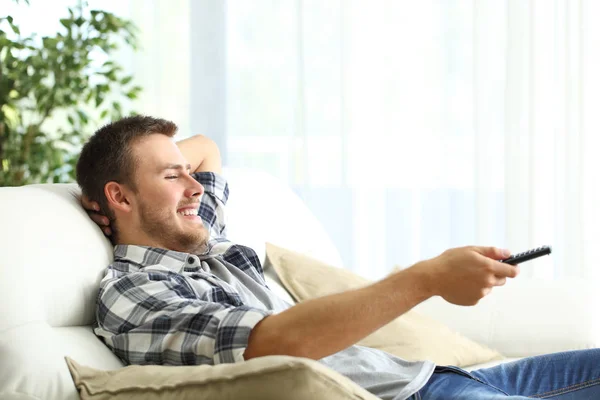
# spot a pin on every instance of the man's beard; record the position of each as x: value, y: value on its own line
x: 158, y: 224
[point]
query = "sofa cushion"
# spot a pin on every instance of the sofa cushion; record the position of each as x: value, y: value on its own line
x: 411, y: 336
x: 263, y: 378
x: 32, y: 360
x: 52, y: 258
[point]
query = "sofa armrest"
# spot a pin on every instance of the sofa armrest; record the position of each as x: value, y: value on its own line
x: 527, y: 317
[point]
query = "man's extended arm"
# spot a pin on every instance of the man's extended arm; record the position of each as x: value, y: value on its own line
x: 320, y: 327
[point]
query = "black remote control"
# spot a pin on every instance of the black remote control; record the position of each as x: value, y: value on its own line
x: 528, y: 255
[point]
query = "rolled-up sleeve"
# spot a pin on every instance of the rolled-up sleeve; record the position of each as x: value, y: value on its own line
x: 212, y: 204
x: 156, y: 318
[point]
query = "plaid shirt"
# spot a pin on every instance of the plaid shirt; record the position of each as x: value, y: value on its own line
x: 158, y: 306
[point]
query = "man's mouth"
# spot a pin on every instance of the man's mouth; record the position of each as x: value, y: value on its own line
x: 190, y: 213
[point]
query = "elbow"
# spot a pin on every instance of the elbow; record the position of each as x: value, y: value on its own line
x: 266, y: 342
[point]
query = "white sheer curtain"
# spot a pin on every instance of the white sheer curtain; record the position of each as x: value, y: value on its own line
x: 162, y: 64
x: 410, y: 127
x: 407, y: 126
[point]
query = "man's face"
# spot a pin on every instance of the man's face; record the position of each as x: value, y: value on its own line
x: 167, y: 197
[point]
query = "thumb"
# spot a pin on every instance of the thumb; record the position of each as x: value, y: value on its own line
x: 492, y: 252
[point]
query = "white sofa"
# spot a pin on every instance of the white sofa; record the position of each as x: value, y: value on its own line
x: 53, y: 256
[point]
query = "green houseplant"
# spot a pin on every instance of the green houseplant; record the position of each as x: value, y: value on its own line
x: 56, y: 90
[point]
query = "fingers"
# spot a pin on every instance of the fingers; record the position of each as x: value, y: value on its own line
x: 102, y: 221
x: 495, y: 253
x: 99, y: 219
x: 506, y: 270
x: 85, y: 202
x: 93, y: 209
x: 516, y: 271
x: 492, y: 252
x: 513, y: 273
x: 500, y: 281
x: 89, y: 204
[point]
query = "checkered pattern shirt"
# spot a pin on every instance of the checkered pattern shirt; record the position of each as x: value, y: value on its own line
x: 158, y: 306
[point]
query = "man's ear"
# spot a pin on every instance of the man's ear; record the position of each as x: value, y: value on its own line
x: 117, y: 196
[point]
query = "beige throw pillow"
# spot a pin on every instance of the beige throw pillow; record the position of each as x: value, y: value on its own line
x: 263, y: 378
x: 411, y: 336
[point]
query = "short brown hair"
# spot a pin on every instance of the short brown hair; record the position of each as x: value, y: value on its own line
x: 107, y: 157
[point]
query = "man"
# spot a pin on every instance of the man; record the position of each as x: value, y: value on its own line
x: 179, y: 292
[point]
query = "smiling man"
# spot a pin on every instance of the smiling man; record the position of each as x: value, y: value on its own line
x: 180, y: 293
x: 144, y: 183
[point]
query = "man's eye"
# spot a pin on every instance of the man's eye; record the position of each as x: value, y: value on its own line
x: 171, y: 177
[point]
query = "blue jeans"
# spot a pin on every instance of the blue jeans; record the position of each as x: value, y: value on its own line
x: 565, y: 376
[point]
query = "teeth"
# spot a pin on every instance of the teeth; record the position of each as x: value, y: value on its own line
x: 188, y: 212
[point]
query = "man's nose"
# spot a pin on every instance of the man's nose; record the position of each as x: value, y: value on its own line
x: 195, y: 189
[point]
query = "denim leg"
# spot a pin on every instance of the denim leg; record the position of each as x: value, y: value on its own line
x: 452, y: 383
x: 573, y: 375
x: 565, y: 376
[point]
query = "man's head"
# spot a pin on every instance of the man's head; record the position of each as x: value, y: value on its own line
x: 140, y: 179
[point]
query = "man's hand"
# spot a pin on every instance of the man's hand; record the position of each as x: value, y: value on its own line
x: 93, y: 210
x: 464, y: 275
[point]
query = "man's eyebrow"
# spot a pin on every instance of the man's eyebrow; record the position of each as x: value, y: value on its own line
x: 176, y: 166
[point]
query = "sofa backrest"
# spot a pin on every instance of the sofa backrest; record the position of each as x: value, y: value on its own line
x: 52, y: 258
x: 263, y: 209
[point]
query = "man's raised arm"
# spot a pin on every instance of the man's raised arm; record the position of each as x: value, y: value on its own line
x: 202, y: 153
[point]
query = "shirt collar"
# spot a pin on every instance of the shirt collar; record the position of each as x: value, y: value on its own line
x: 144, y: 256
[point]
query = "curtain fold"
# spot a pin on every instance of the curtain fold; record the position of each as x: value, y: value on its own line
x: 412, y: 127
x: 163, y: 64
